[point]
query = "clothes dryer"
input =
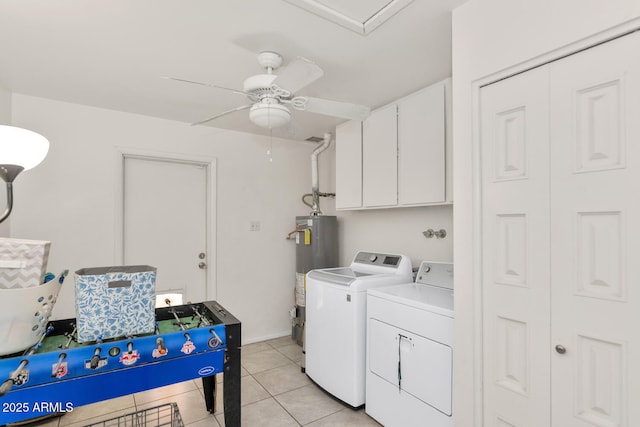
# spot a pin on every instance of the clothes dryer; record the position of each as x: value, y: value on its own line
x: 409, y: 379
x: 335, y: 341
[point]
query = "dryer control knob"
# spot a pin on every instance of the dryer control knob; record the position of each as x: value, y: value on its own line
x: 373, y: 258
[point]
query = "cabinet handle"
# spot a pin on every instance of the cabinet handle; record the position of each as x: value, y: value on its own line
x: 560, y: 349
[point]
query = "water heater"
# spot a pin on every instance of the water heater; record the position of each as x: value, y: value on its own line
x: 316, y: 247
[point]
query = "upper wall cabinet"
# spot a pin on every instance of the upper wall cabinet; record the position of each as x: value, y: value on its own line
x: 349, y: 165
x: 399, y: 156
x: 379, y: 158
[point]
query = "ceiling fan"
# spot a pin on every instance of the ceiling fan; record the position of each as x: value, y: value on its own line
x: 271, y: 95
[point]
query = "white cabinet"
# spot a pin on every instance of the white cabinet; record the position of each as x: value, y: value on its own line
x: 379, y: 158
x: 399, y: 156
x: 349, y: 164
x: 421, y: 147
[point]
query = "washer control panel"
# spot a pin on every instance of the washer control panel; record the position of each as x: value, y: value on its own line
x: 385, y: 260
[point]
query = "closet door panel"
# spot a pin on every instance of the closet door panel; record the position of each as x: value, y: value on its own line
x: 515, y: 264
x: 595, y: 243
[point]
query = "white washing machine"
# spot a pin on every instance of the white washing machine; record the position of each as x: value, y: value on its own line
x: 409, y: 375
x: 335, y: 334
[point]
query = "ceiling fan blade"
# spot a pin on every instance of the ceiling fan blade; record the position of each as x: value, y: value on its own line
x: 297, y: 74
x: 343, y: 110
x: 206, y: 84
x: 244, y: 107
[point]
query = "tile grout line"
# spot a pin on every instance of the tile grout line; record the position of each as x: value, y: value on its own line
x: 288, y: 391
x: 272, y: 396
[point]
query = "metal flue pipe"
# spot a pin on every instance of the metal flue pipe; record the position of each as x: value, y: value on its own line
x: 315, y: 192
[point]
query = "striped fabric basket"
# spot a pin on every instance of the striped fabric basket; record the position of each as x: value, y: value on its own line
x: 23, y: 263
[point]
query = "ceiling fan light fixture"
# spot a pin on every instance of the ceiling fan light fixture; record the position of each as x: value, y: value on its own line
x: 269, y: 115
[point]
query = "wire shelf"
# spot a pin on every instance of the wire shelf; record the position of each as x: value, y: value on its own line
x: 158, y: 416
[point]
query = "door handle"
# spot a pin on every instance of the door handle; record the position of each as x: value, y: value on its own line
x: 202, y: 265
x: 560, y: 349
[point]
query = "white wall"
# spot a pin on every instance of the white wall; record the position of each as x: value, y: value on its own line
x: 5, y: 119
x: 493, y: 37
x: 69, y: 199
x: 5, y: 106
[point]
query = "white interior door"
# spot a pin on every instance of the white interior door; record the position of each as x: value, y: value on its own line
x: 165, y: 223
x: 595, y: 243
x: 515, y: 261
x: 560, y: 233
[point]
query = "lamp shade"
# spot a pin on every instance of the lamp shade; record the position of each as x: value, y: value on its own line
x: 22, y: 147
x: 269, y: 115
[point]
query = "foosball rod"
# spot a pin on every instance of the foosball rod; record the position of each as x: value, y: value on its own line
x: 70, y: 338
x: 203, y: 319
x: 180, y: 323
x: 8, y: 383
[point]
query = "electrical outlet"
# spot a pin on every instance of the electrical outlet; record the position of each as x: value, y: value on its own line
x: 254, y: 226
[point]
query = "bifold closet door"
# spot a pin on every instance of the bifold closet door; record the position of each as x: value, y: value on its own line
x: 515, y: 250
x: 595, y: 236
x: 560, y: 149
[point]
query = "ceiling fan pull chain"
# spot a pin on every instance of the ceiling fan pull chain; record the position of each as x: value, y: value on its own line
x: 270, y: 150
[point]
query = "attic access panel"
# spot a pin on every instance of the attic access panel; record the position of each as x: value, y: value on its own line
x: 361, y: 16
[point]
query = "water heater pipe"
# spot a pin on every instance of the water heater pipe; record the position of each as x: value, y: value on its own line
x: 315, y: 208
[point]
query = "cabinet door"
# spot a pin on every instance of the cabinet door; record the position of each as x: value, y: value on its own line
x: 421, y: 147
x: 380, y: 158
x: 515, y: 250
x: 595, y: 237
x: 349, y: 165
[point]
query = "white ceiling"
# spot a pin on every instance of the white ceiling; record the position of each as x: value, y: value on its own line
x: 113, y: 53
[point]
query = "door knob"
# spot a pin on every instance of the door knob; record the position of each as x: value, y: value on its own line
x: 201, y: 255
x: 560, y: 349
x: 202, y: 265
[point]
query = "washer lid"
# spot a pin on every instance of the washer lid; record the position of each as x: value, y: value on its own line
x: 340, y: 276
x: 346, y: 271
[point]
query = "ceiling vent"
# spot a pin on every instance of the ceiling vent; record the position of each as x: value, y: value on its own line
x: 314, y: 139
x: 361, y: 16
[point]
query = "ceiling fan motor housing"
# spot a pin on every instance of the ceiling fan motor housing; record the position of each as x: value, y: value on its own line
x: 259, y: 85
x: 267, y: 111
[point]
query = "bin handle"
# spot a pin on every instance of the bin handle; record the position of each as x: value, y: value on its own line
x: 119, y: 284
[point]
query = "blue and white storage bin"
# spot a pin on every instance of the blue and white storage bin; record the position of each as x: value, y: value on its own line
x: 114, y: 302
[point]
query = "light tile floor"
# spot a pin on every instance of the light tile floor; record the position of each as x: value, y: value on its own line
x: 274, y: 393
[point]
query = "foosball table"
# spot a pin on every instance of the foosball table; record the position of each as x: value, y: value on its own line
x: 59, y: 374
